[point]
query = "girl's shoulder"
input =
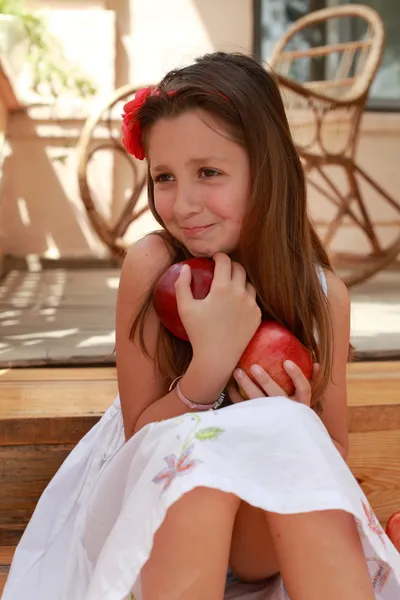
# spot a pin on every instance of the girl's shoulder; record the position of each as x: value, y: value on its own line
x: 153, y: 247
x: 145, y: 260
x: 335, y: 289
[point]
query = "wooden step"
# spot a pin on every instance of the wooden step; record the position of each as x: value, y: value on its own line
x: 6, y: 554
x: 373, y: 396
x: 45, y: 412
x: 53, y: 406
x: 60, y: 405
x: 374, y: 424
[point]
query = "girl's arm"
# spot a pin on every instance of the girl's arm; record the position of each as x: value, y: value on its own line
x: 138, y: 382
x: 143, y: 391
x: 334, y: 415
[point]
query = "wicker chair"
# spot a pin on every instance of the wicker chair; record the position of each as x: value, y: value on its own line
x: 325, y: 109
x: 106, y: 125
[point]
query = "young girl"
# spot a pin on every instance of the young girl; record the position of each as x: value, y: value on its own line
x: 164, y: 498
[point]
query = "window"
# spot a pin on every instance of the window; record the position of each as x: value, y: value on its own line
x: 273, y: 17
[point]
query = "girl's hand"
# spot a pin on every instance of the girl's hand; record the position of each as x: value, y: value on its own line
x: 267, y: 386
x: 221, y: 325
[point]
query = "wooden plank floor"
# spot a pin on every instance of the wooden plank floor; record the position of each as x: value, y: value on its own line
x: 44, y: 412
x: 58, y: 315
x: 66, y: 316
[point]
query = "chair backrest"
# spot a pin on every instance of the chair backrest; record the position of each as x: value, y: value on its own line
x: 313, y: 53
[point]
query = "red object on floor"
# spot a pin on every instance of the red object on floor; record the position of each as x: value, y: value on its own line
x: 393, y: 530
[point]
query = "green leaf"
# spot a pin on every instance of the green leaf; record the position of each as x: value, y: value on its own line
x: 51, y: 71
x: 209, y: 433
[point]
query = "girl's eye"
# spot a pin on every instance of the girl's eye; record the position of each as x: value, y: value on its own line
x: 163, y: 178
x: 209, y: 173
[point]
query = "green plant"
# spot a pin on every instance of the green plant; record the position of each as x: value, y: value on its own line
x: 51, y: 70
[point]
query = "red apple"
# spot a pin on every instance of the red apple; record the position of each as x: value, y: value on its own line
x: 270, y: 346
x: 164, y: 297
x: 393, y: 530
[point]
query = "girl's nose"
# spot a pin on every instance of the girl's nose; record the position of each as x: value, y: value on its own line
x: 186, y: 203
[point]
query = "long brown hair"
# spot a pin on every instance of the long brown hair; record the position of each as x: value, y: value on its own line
x: 279, y: 247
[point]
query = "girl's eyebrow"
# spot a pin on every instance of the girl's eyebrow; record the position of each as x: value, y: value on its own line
x: 192, y: 161
x: 159, y: 169
x: 205, y: 160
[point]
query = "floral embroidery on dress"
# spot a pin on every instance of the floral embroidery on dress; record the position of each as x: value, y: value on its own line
x: 176, y: 467
x: 184, y: 463
x: 373, y: 522
x: 360, y: 528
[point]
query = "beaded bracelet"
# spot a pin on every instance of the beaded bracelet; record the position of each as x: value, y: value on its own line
x: 213, y: 406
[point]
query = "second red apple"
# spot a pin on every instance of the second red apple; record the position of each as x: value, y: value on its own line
x: 270, y: 346
x: 393, y: 530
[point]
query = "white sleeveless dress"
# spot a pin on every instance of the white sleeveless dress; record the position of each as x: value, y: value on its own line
x: 93, y: 528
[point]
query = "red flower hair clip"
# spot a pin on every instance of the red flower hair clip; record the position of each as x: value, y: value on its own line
x: 131, y: 130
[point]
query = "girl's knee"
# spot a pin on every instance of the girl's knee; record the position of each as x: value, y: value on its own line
x: 205, y: 500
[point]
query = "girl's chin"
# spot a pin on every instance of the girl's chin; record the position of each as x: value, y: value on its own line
x: 200, y: 250
x: 198, y: 254
x: 209, y: 253
x: 207, y: 245
x: 204, y: 249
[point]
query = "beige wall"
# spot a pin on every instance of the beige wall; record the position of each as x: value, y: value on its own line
x: 40, y: 207
x: 3, y: 124
x: 3, y: 147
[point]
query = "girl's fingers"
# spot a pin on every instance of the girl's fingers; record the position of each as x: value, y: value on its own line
x: 251, y: 290
x: 239, y: 275
x: 248, y: 386
x: 182, y: 286
x: 263, y: 383
x: 234, y: 393
x: 301, y: 383
x: 266, y: 382
x: 222, y: 270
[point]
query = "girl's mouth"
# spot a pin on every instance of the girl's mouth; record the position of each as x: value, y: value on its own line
x: 196, y: 231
